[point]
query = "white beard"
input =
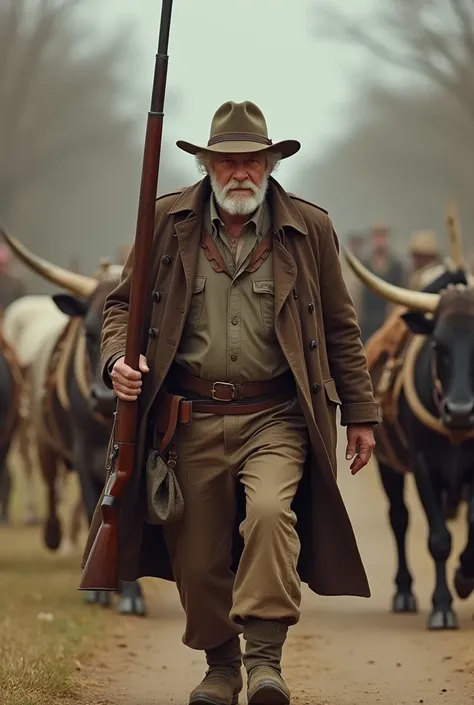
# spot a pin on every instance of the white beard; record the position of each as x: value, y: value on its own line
x: 238, y: 203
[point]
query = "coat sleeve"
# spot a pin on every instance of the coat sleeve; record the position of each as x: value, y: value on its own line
x: 115, y: 314
x: 346, y: 355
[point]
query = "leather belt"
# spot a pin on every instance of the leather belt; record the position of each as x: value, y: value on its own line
x: 210, y: 407
x: 226, y: 392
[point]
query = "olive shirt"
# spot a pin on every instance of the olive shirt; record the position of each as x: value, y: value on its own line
x: 229, y: 331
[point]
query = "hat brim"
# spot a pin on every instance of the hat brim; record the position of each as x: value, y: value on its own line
x: 285, y: 148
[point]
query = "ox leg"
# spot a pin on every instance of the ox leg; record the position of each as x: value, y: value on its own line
x: 49, y: 464
x: 132, y: 600
x: 5, y: 491
x: 25, y: 446
x: 439, y: 544
x: 464, y: 575
x: 394, y: 485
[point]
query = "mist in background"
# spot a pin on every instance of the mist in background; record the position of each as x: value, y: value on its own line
x: 379, y: 140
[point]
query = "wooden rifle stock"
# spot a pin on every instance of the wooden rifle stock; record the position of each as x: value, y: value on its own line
x: 101, y: 569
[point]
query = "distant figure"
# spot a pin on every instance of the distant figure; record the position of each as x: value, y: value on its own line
x: 11, y: 286
x: 355, y: 243
x: 384, y: 263
x: 427, y: 263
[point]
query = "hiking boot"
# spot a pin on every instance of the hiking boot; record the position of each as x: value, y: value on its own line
x: 223, y: 680
x: 262, y: 659
x: 267, y: 687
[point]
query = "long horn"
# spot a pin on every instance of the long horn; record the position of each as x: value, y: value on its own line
x: 414, y: 300
x: 76, y: 283
x: 455, y: 235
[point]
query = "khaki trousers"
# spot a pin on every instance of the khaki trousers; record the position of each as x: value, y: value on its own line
x: 266, y: 452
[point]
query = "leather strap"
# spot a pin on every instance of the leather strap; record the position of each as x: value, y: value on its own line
x: 206, y: 407
x: 171, y: 410
x: 229, y: 391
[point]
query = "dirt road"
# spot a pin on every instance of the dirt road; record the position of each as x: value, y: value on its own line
x: 345, y: 651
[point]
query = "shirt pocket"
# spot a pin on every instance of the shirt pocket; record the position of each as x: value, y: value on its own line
x: 196, y: 306
x: 265, y: 292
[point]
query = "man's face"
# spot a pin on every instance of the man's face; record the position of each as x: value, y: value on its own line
x: 239, y: 181
x: 380, y: 239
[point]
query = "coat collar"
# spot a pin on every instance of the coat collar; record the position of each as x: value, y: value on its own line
x: 284, y: 212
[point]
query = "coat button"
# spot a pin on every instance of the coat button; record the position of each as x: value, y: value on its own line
x: 153, y: 332
x: 295, y: 294
x: 316, y: 388
x: 234, y: 357
x: 166, y: 259
x: 234, y: 320
x: 313, y: 345
x: 156, y: 296
x: 311, y: 308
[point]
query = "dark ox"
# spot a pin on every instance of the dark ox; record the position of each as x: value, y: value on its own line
x: 86, y: 425
x: 431, y: 434
x: 90, y: 425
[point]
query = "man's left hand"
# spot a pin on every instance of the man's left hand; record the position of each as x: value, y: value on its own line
x: 360, y: 444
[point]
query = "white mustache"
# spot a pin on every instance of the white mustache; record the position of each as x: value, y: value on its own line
x: 234, y: 184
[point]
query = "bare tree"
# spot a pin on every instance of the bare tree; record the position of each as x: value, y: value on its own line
x: 403, y: 158
x: 55, y: 100
x: 433, y: 38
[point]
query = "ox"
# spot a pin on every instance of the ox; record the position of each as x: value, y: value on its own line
x: 31, y: 326
x: 77, y: 409
x: 11, y: 387
x: 428, y: 429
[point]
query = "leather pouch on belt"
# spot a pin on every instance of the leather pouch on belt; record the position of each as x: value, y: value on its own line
x: 165, y: 503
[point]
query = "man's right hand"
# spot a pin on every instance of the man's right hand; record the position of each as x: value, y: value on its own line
x: 126, y: 381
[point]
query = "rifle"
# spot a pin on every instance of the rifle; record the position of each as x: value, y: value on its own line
x: 101, y: 568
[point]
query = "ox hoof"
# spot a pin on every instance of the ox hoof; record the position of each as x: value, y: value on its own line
x: 404, y: 602
x: 463, y: 586
x: 52, y: 534
x: 441, y: 619
x: 132, y: 605
x: 98, y: 597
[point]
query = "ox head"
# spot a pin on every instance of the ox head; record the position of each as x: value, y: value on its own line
x: 447, y: 319
x: 86, y: 299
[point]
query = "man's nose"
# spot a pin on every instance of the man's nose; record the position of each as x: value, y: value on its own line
x: 241, y: 174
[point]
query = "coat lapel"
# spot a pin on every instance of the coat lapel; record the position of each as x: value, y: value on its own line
x: 188, y: 232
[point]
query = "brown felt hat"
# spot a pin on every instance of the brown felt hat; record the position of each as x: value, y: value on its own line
x: 240, y: 127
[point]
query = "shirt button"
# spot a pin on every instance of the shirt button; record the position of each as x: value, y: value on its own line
x: 234, y: 321
x: 313, y: 344
x: 156, y: 296
x: 234, y: 357
x: 311, y: 308
x: 316, y: 388
x: 166, y: 259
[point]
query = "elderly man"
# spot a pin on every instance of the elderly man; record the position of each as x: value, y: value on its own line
x: 250, y: 320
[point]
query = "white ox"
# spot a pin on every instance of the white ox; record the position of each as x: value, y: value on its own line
x: 32, y: 325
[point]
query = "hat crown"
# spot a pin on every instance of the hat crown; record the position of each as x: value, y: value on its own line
x: 238, y: 118
x: 424, y: 241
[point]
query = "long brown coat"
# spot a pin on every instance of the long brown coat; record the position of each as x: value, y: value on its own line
x: 311, y: 303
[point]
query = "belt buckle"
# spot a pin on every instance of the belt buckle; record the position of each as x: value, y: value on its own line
x: 222, y: 384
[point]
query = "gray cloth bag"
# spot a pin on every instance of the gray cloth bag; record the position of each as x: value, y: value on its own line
x: 164, y: 497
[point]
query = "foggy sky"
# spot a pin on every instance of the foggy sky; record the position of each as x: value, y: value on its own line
x: 261, y: 50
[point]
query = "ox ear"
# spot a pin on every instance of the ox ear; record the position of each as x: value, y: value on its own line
x: 418, y: 323
x: 70, y: 305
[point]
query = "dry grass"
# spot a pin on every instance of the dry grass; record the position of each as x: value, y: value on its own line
x: 45, y: 629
